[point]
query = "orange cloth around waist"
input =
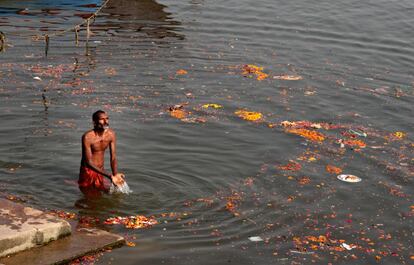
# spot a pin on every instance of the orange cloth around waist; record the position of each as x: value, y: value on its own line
x: 88, y: 178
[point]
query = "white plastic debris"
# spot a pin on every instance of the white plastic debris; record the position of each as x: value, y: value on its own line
x: 347, y: 247
x: 302, y: 252
x: 341, y: 143
x: 349, y: 178
x: 37, y: 78
x: 359, y: 133
x: 255, y: 239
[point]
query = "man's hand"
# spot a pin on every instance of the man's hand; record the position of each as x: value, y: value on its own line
x: 118, y: 179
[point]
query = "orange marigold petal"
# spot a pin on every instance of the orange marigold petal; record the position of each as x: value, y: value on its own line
x: 333, y: 169
x: 178, y: 113
x: 181, y: 72
x: 356, y: 143
x: 308, y: 134
x: 249, y: 115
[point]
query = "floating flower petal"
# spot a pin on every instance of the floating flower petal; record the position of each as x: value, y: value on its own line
x: 214, y: 106
x: 308, y: 134
x: 249, y: 115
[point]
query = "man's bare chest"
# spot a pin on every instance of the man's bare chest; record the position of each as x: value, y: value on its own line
x: 99, y: 145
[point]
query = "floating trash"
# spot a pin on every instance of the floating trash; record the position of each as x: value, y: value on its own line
x: 132, y: 222
x: 349, y: 178
x: 255, y: 239
x: 359, y: 133
x: 302, y: 252
x: 347, y: 247
x: 288, y: 77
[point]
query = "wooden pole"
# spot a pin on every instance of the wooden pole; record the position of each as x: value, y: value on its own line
x: 46, y: 44
x: 2, y: 42
x: 77, y: 36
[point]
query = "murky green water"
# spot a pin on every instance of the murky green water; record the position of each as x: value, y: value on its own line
x: 224, y: 178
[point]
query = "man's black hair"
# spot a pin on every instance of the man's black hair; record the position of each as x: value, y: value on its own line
x: 95, y: 115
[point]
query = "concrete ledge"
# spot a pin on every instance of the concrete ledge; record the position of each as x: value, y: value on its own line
x: 22, y: 228
x: 83, y: 241
x: 28, y: 236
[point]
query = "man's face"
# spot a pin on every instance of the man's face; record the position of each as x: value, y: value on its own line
x: 102, y: 123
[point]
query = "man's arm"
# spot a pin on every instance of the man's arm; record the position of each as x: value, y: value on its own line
x: 117, y: 178
x: 87, y: 157
x: 112, y: 149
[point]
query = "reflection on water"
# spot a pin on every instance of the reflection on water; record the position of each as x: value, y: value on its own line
x: 145, y: 16
x: 132, y: 17
x: 33, y: 7
x: 146, y: 10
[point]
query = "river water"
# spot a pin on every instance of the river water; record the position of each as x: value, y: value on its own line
x: 212, y: 179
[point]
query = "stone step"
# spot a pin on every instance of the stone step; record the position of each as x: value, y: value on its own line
x: 23, y: 227
x: 39, y: 229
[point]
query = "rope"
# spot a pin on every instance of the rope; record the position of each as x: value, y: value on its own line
x: 77, y: 27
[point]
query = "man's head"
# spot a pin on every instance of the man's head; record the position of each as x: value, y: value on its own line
x: 100, y: 120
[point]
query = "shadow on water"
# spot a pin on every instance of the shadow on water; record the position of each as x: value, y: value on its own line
x: 97, y: 203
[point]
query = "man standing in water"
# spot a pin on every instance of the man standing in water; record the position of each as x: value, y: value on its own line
x: 94, y: 143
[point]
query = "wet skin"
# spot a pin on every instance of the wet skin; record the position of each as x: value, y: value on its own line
x: 94, y: 144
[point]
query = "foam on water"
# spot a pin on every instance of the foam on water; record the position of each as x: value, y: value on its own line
x: 124, y: 188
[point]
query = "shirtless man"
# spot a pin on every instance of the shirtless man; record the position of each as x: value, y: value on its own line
x: 94, y: 143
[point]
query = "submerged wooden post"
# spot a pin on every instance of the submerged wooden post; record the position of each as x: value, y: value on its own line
x: 2, y: 42
x: 77, y: 36
x: 46, y: 44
